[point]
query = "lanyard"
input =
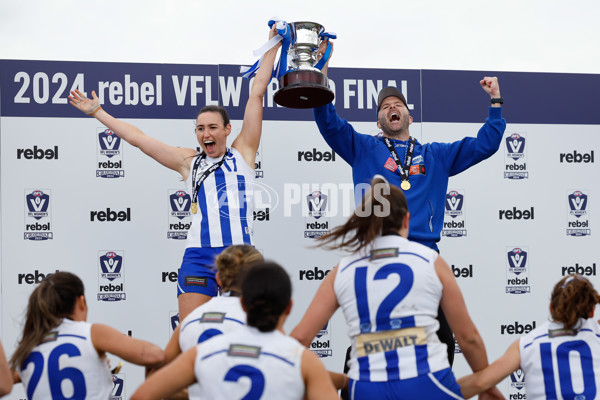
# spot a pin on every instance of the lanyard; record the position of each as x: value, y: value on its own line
x: 403, y: 169
x: 203, y: 176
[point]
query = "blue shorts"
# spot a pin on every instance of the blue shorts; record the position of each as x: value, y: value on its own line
x: 197, y: 272
x: 436, y: 385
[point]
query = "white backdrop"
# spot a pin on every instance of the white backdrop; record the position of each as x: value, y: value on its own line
x: 69, y: 173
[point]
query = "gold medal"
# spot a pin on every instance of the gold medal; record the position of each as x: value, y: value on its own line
x: 405, y: 185
x: 194, y: 208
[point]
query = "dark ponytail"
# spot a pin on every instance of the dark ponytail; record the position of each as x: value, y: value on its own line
x: 381, y: 212
x: 49, y: 303
x: 266, y: 293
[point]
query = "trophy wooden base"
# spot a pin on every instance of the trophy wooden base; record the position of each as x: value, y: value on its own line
x: 303, y: 89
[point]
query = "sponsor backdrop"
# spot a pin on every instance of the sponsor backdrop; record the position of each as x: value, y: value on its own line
x: 75, y: 197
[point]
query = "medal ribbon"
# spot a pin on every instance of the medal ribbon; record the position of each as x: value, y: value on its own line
x: 402, y: 169
x: 204, y: 174
x: 285, y: 36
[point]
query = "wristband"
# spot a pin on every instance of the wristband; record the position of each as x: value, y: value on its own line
x: 94, y: 110
x: 497, y: 100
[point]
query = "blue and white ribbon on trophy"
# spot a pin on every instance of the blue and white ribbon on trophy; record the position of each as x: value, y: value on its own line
x: 284, y: 35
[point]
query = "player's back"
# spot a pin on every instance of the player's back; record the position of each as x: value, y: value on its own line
x: 259, y: 365
x: 66, y: 365
x: 390, y: 295
x: 562, y: 363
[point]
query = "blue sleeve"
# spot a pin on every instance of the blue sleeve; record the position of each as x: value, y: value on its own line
x: 338, y: 133
x: 460, y: 155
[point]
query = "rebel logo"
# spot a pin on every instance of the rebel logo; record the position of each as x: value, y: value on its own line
x: 180, y: 203
x: 454, y: 203
x: 466, y: 272
x: 110, y: 215
x: 170, y: 276
x: 109, y: 143
x: 516, y: 214
x: 517, y: 260
x: 516, y: 328
x: 576, y: 157
x: 313, y: 274
x: 110, y: 264
x: 37, y: 203
x: 261, y: 215
x: 317, y: 204
x: 515, y: 146
x: 32, y: 278
x: 316, y: 155
x: 589, y: 270
x: 38, y: 153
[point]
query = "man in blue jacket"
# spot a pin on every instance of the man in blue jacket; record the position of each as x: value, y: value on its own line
x: 421, y: 170
x: 424, y: 178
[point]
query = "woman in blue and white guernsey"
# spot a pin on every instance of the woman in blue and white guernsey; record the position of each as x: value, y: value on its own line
x: 560, y: 359
x: 257, y: 361
x: 60, y: 356
x: 390, y: 289
x: 220, y: 315
x: 219, y: 180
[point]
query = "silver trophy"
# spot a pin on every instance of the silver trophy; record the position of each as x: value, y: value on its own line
x: 303, y: 86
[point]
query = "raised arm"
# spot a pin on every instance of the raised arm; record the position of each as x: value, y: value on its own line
x: 249, y: 138
x: 136, y: 351
x: 455, y: 310
x: 318, y: 313
x: 175, y: 158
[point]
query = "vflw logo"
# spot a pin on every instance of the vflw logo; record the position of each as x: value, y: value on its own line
x: 454, y: 203
x: 578, y: 203
x: 515, y: 146
x: 111, y: 264
x: 517, y: 379
x: 180, y: 203
x: 37, y: 203
x: 109, y: 143
x: 517, y: 259
x: 317, y: 204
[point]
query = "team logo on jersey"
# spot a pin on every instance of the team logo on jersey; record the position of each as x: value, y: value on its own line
x: 455, y: 227
x: 110, y: 157
x: 517, y: 272
x: 515, y: 166
x: 321, y: 345
x: 37, y: 215
x: 317, y: 221
x: 110, y: 280
x: 118, y: 390
x: 578, y: 222
x: 179, y: 214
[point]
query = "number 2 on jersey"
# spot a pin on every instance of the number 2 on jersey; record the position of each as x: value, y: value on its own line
x: 257, y: 380
x: 383, y: 320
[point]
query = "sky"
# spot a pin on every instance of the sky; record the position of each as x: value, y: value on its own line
x: 481, y: 35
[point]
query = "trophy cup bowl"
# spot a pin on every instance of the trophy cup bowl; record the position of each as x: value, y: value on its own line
x: 303, y: 86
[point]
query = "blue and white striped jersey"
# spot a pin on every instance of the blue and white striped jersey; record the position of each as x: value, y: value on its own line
x: 390, y: 294
x: 220, y: 315
x: 250, y: 363
x: 562, y: 363
x: 225, y: 203
x: 66, y: 365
